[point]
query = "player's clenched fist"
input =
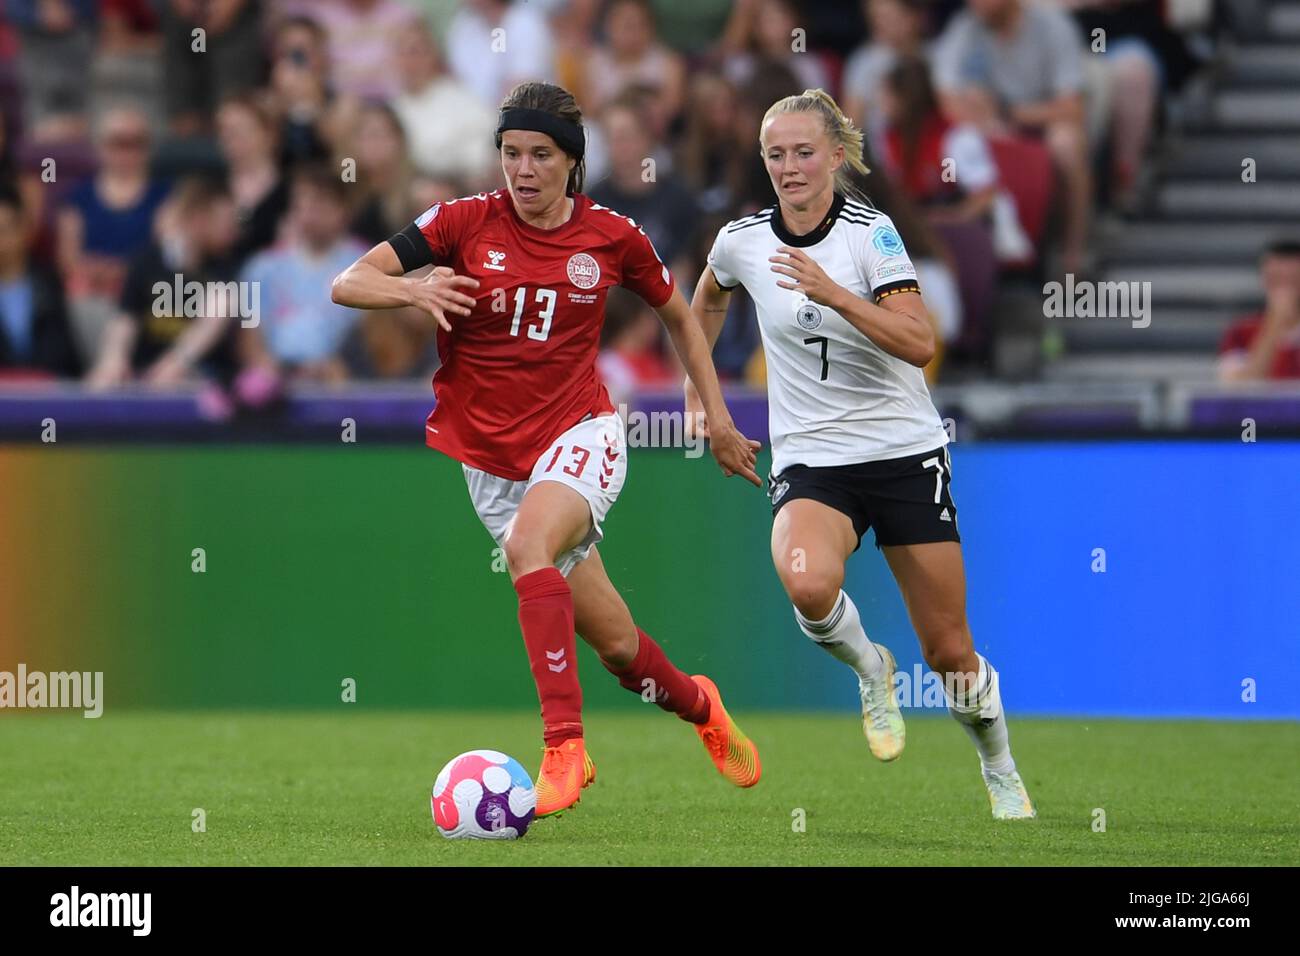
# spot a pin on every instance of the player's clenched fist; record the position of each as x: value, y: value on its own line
x: 442, y: 292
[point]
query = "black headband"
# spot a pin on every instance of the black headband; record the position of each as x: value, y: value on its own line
x: 567, y: 135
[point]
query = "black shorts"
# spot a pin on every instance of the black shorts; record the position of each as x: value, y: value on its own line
x: 907, y: 500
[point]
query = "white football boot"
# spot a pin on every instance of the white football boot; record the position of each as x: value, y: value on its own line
x: 1008, y: 796
x: 882, y: 719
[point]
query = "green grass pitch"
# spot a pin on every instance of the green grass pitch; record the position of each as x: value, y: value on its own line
x: 352, y: 788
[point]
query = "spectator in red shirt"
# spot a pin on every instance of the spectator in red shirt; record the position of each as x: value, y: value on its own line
x: 1267, y: 345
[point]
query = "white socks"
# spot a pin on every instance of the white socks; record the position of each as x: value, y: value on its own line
x: 840, y: 634
x: 979, y: 711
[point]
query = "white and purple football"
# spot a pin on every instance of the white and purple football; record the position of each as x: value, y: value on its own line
x: 483, y: 795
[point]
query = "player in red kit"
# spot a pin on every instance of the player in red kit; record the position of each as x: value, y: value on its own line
x: 519, y: 294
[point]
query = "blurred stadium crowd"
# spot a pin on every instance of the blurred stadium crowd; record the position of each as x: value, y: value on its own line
x: 277, y: 144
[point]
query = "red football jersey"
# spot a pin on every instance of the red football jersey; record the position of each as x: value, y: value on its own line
x: 521, y: 369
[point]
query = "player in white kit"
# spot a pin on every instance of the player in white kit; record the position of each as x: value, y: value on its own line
x: 856, y: 440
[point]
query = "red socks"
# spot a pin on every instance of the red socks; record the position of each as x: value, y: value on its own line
x: 674, y: 691
x: 546, y: 618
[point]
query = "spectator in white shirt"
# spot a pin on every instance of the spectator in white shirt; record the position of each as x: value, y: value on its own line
x: 493, y: 45
x: 448, y: 128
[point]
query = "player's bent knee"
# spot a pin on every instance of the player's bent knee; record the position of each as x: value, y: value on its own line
x: 526, y: 553
x: 950, y: 652
x: 813, y: 596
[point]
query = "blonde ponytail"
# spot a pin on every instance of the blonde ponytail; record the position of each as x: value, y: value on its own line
x: 839, y: 128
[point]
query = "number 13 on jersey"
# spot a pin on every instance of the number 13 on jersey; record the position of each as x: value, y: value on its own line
x: 546, y: 299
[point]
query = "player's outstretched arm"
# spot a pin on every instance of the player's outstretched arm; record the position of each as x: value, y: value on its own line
x: 709, y: 309
x: 709, y: 306
x: 735, y: 453
x: 376, y: 281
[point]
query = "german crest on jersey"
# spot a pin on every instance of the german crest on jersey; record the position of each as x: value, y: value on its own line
x: 583, y: 271
x: 808, y: 316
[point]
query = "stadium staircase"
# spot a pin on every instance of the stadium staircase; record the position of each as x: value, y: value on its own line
x: 1199, y: 231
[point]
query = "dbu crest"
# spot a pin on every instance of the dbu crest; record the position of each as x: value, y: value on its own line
x: 583, y: 271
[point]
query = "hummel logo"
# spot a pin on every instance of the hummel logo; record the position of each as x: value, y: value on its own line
x: 944, y: 516
x: 557, y: 656
x: 496, y: 258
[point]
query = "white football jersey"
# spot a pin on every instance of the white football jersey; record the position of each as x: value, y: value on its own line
x: 834, y: 396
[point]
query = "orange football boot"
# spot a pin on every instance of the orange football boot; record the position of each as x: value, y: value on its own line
x: 733, y: 753
x: 566, y: 769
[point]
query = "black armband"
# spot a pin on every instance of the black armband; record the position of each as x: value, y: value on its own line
x: 412, y: 251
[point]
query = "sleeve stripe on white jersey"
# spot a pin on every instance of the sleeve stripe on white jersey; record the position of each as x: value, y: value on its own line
x: 856, y: 206
x: 746, y: 223
x: 761, y: 216
x: 860, y: 220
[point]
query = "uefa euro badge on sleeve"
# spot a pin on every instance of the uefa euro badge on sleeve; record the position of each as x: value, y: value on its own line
x: 887, y: 241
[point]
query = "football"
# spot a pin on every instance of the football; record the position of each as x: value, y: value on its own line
x: 483, y: 795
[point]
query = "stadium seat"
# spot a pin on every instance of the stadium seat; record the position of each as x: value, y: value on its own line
x: 970, y: 245
x: 1025, y: 168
